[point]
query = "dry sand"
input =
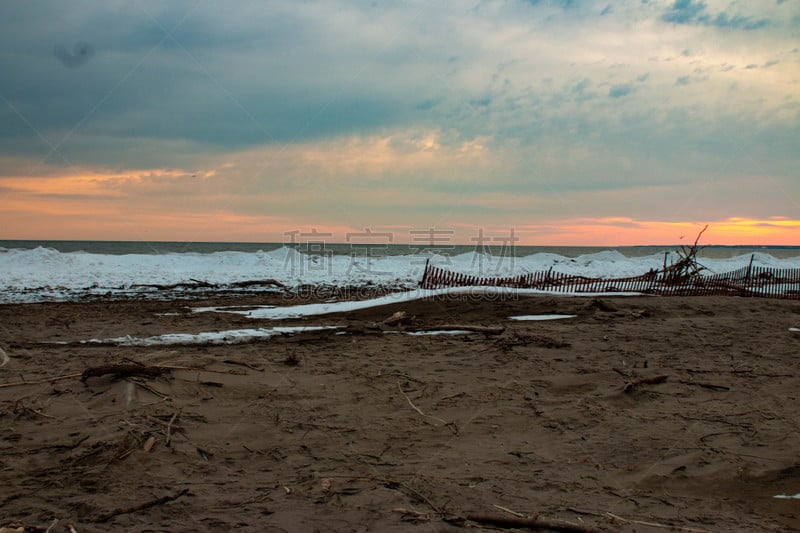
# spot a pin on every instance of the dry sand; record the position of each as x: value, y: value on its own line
x: 326, y: 432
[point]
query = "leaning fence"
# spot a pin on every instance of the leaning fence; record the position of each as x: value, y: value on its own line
x: 753, y: 281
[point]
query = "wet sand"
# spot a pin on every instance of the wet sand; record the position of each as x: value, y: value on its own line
x: 674, y: 411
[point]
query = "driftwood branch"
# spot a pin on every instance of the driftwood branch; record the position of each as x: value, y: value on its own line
x: 200, y: 284
x: 141, y: 507
x: 531, y: 523
x: 40, y: 381
x: 655, y: 380
x: 123, y: 371
x: 486, y: 330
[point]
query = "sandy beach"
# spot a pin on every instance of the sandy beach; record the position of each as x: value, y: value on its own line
x: 637, y: 414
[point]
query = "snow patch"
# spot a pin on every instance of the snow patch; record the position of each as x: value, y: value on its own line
x: 540, y: 317
x: 232, y: 336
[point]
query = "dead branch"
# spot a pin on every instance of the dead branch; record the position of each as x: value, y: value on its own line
x: 40, y: 381
x: 486, y: 330
x: 656, y: 524
x: 181, y: 285
x: 123, y: 371
x: 687, y: 266
x: 197, y: 369
x: 655, y: 380
x: 169, y: 429
x: 398, y: 318
x: 251, y: 283
x: 141, y: 507
x: 531, y: 523
x: 243, y: 363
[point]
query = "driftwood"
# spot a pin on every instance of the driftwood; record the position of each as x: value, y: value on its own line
x: 629, y: 386
x: 141, y: 507
x: 94, y: 372
x: 398, y: 318
x: 486, y: 330
x: 530, y: 523
x: 123, y: 371
x: 40, y: 381
x: 256, y: 282
x: 687, y: 266
x: 200, y: 284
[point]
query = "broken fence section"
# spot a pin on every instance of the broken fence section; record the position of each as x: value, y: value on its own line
x: 754, y: 281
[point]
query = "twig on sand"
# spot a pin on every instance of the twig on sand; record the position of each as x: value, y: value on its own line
x: 149, y: 389
x: 169, y: 429
x: 141, y: 507
x: 617, y: 518
x: 451, y: 425
x: 197, y: 369
x: 509, y: 511
x: 656, y: 524
x: 40, y: 381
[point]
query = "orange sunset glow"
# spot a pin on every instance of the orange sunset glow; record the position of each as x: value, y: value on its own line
x: 568, y: 123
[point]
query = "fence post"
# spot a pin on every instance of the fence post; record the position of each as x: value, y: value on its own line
x: 747, y: 275
x: 425, y: 273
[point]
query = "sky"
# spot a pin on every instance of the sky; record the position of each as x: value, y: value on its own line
x: 552, y: 122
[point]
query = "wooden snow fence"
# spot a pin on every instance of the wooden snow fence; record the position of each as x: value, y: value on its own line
x: 762, y: 282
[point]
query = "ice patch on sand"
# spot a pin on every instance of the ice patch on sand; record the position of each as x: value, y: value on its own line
x: 299, y: 311
x: 231, y: 336
x: 540, y: 317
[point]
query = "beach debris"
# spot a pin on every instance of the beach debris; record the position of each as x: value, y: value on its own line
x: 654, y: 380
x: 120, y: 371
x: 397, y: 319
x: 200, y: 284
x: 486, y: 330
x: 452, y: 425
x: 204, y: 454
x: 687, y: 266
x: 788, y: 496
x: 140, y: 507
x: 244, y: 363
x: 291, y: 358
x: 4, y: 359
x: 530, y: 523
x: 148, y: 444
x: 410, y: 515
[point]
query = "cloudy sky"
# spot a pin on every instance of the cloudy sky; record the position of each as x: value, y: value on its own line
x: 571, y: 122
